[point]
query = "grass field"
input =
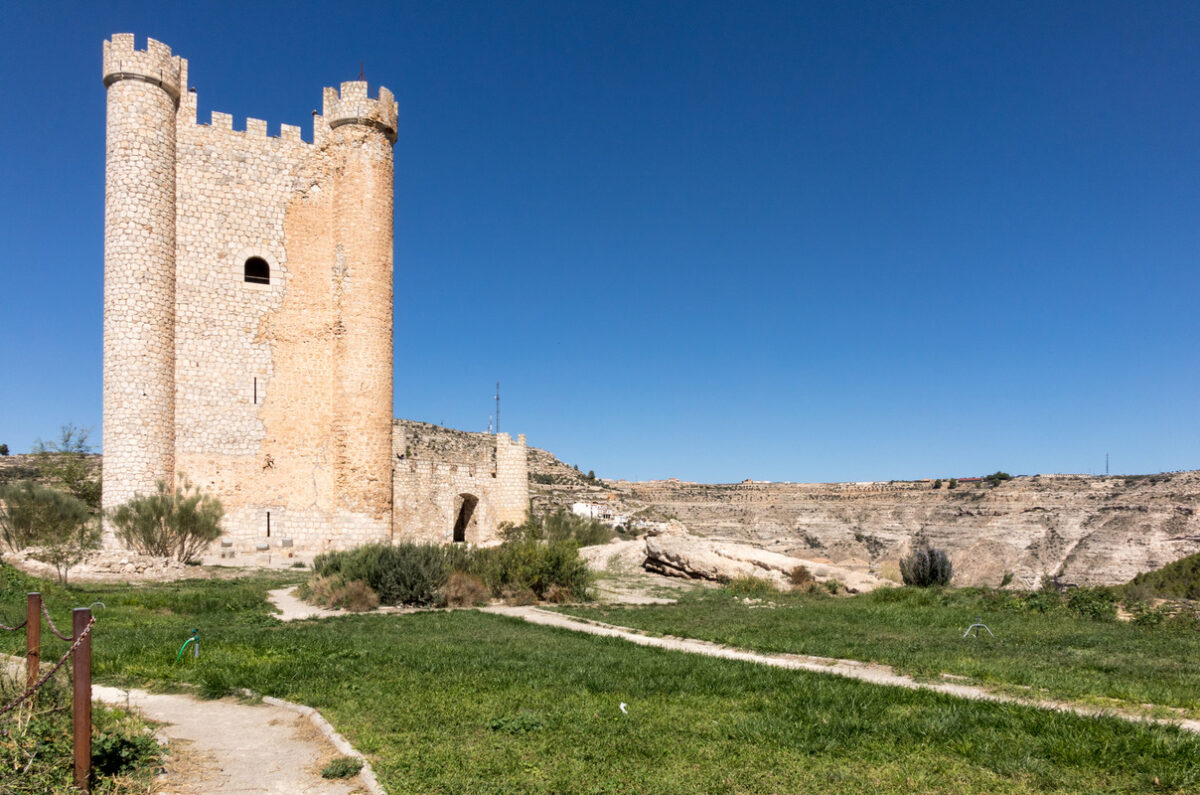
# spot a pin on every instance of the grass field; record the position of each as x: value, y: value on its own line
x: 920, y: 632
x: 470, y: 702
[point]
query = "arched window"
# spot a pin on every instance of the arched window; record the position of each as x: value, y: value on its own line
x: 258, y: 271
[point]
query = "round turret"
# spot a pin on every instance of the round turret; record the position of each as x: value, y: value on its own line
x: 361, y: 134
x: 139, y: 268
x: 351, y: 105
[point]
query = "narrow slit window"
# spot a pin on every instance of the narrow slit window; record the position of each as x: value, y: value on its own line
x: 256, y: 391
x: 258, y: 271
x: 268, y: 524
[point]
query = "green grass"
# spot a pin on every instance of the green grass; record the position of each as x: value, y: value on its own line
x: 466, y: 702
x: 920, y: 632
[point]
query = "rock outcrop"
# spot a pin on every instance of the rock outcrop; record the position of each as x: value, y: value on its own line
x: 1089, y: 530
x: 677, y: 553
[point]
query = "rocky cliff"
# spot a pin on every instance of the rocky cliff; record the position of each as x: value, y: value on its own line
x: 1086, y: 529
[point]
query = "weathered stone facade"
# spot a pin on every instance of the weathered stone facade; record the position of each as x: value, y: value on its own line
x: 248, y: 317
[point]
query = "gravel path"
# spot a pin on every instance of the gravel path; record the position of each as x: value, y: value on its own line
x: 851, y: 669
x: 232, y: 747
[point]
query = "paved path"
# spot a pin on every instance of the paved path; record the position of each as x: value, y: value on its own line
x: 232, y: 747
x: 851, y: 669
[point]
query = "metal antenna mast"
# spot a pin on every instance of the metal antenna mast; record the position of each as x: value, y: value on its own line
x: 1106, y: 464
x: 497, y: 407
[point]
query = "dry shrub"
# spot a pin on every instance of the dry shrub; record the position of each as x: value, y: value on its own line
x: 518, y: 596
x: 320, y: 590
x: 465, y: 590
x: 558, y: 594
x: 355, y: 596
x: 890, y: 571
x: 800, y: 577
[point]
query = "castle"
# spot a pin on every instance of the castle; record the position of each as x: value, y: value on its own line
x: 248, y: 322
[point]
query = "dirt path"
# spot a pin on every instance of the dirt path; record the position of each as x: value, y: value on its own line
x: 851, y: 669
x: 232, y: 747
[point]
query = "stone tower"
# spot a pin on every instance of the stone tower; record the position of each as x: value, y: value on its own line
x: 248, y: 321
x: 139, y: 267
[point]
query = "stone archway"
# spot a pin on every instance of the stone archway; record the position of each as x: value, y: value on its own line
x: 464, y: 516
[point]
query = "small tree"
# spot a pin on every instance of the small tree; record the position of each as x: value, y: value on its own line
x: 937, y: 484
x: 59, y: 524
x: 175, y: 523
x: 998, y: 477
x: 64, y: 463
x: 953, y: 484
x: 3, y: 449
x: 926, y: 566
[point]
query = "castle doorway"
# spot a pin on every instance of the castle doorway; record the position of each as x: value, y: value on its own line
x: 464, y: 512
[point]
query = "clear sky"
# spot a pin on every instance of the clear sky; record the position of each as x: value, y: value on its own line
x: 786, y: 241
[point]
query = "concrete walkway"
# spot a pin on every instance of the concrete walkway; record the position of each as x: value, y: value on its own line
x: 231, y: 747
x: 851, y: 669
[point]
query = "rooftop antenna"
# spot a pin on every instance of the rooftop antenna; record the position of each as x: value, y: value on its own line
x: 360, y: 71
x: 497, y: 407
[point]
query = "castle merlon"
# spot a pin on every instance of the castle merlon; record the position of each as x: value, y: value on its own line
x: 154, y: 65
x: 351, y: 105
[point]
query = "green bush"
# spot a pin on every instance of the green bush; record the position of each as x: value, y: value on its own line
x: 926, y: 566
x: 1093, y: 603
x: 59, y: 525
x: 750, y: 586
x: 561, y: 526
x: 997, y: 477
x: 417, y: 574
x: 1177, y: 580
x: 176, y: 523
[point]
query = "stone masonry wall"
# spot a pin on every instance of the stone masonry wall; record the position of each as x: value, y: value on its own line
x: 276, y: 398
x: 436, y: 468
x: 139, y: 264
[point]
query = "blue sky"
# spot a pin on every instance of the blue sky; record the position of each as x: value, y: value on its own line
x: 787, y: 241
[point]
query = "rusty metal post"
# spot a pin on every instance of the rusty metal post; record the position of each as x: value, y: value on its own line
x: 33, y: 636
x: 81, y: 704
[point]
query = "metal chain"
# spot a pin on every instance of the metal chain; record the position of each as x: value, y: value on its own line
x: 14, y: 629
x: 53, y: 628
x: 30, y: 691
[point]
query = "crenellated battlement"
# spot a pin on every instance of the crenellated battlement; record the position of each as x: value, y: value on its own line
x: 255, y: 128
x: 154, y: 65
x: 351, y: 105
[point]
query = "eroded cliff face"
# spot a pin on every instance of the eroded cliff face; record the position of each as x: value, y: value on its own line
x: 1088, y: 530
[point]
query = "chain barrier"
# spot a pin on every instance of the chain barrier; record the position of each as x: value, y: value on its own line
x: 50, y: 621
x: 14, y: 629
x: 36, y: 686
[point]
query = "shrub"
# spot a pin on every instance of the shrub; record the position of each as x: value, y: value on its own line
x: 800, y: 576
x: 518, y: 596
x: 61, y: 525
x: 833, y: 586
x: 418, y: 574
x: 65, y: 464
x: 1177, y: 580
x: 176, y: 523
x: 926, y: 566
x: 560, y: 526
x: 937, y: 484
x: 355, y: 596
x: 1093, y: 603
x: 751, y: 586
x: 953, y: 484
x: 342, y: 767
x: 534, y: 565
x: 465, y: 590
x: 997, y: 477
